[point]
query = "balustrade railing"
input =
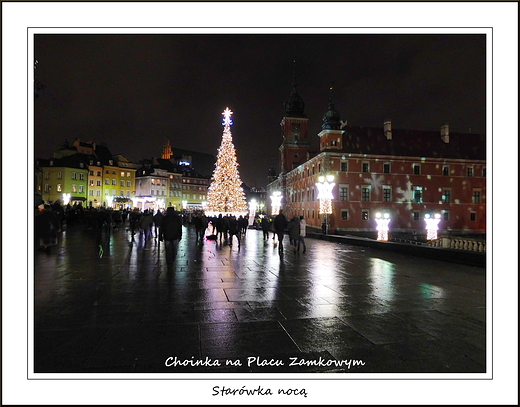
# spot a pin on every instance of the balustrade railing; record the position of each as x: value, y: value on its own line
x: 451, y: 242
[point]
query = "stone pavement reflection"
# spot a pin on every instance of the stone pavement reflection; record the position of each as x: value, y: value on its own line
x: 108, y: 303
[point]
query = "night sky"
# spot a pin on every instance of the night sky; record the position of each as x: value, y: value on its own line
x: 134, y: 91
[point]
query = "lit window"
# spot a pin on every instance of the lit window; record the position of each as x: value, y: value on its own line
x: 58, y: 188
x: 446, y: 196
x: 364, y: 214
x: 417, y: 195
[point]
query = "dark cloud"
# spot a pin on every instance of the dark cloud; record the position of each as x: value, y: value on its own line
x: 134, y: 91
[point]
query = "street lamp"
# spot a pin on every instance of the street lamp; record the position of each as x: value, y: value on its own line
x: 432, y: 225
x: 253, y: 205
x: 276, y: 202
x: 325, y: 185
x: 382, y: 226
x: 66, y: 199
x: 110, y: 200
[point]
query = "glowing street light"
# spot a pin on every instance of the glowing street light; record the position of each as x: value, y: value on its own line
x: 276, y: 202
x: 382, y: 226
x: 325, y: 186
x: 253, y: 205
x: 66, y: 199
x: 432, y: 225
x: 110, y: 200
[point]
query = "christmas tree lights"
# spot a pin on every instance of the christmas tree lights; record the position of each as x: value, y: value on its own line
x: 225, y: 194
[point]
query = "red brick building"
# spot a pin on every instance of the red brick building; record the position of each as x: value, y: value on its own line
x: 405, y: 173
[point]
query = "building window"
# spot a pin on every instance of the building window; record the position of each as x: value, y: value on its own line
x: 416, y: 169
x: 122, y: 183
x: 91, y: 173
x: 122, y: 193
x: 446, y: 216
x: 74, y: 175
x: 476, y: 196
x: 74, y: 188
x: 107, y: 181
x: 122, y: 173
x: 445, y: 171
x: 152, y: 192
x: 47, y: 188
x: 417, y: 195
x: 114, y: 182
x: 343, y: 192
x: 344, y: 166
x: 91, y: 182
x: 82, y: 177
x: 98, y: 183
x: 364, y: 214
x: 113, y: 172
x: 484, y: 172
x: 473, y: 216
x: 113, y: 192
x: 470, y: 171
x: 60, y: 175
x: 128, y: 184
x: 81, y: 188
x: 46, y: 175
x: 98, y: 193
x: 365, y: 167
x: 387, y: 193
x: 58, y: 188
x: 98, y: 173
x: 446, y: 195
x: 91, y: 192
x: 344, y: 214
x: 386, y: 168
x: 365, y: 194
x: 415, y: 215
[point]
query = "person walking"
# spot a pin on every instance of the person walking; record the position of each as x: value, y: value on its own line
x: 294, y: 232
x: 47, y: 228
x: 279, y: 224
x: 171, y: 227
x: 234, y: 230
x: 303, y: 233
x: 157, y: 220
x: 266, y: 225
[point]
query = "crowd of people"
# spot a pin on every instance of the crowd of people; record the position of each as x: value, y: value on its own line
x: 165, y: 226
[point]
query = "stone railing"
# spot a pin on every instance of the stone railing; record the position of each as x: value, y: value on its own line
x: 460, y: 243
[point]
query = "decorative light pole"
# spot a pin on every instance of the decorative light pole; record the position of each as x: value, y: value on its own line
x: 276, y: 202
x: 325, y: 197
x: 382, y: 226
x: 253, y: 205
x: 432, y: 225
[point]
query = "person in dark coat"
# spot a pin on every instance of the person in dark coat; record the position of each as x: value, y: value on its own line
x: 171, y: 227
x: 294, y: 232
x: 266, y: 225
x: 279, y: 224
x: 234, y: 230
x: 157, y: 220
x: 47, y: 228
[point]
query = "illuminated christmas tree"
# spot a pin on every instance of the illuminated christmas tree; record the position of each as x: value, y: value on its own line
x: 225, y: 194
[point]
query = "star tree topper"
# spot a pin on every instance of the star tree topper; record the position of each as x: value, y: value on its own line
x: 227, y: 117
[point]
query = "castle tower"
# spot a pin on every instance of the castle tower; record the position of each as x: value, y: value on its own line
x: 294, y: 127
x: 331, y: 136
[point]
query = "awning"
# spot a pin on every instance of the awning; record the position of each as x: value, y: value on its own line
x: 77, y: 198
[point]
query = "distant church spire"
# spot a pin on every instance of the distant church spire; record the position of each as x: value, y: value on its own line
x: 167, y: 150
x: 294, y: 105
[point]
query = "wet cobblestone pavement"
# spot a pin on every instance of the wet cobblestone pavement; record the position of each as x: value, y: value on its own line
x: 108, y: 304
